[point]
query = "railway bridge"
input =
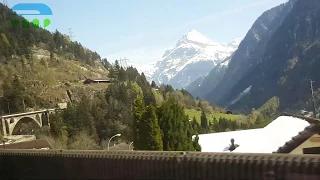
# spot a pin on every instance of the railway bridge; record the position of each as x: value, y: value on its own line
x: 9, y: 122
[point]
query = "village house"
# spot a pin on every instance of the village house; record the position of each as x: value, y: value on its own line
x: 96, y: 81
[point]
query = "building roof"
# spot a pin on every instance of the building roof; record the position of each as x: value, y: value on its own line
x: 274, y: 135
x: 313, y: 128
x: 34, y: 144
x: 97, y: 80
x: 299, y: 139
x: 264, y: 140
x: 101, y: 80
x: 121, y: 147
x: 220, y: 142
x: 308, y: 119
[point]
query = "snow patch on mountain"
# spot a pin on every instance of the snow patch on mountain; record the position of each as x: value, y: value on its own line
x: 245, y: 92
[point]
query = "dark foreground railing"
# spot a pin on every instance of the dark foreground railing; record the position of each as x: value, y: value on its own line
x: 62, y: 164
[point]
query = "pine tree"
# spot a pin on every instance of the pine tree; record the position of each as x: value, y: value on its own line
x: 58, y: 39
x: 122, y: 75
x: 149, y: 131
x: 148, y: 96
x: 52, y: 47
x: 204, y: 120
x: 196, y: 144
x: 85, y: 119
x: 99, y: 111
x: 5, y: 46
x: 114, y: 74
x: 106, y: 64
x: 175, y: 127
x: 116, y: 65
x: 138, y: 111
x: 58, y: 128
x: 153, y: 84
x: 70, y: 117
x: 195, y: 125
x: 14, y: 95
x: 7, y: 91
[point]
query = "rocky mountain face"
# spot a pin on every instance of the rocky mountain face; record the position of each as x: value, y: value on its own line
x: 250, y: 51
x: 193, y: 56
x: 203, y: 85
x: 291, y: 58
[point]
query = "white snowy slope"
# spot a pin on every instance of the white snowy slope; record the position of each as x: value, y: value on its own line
x: 147, y: 69
x: 220, y: 142
x: 193, y: 56
x: 264, y: 140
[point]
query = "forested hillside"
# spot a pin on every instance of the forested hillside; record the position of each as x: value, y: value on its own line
x: 21, y: 42
x: 129, y: 106
x: 43, y: 63
x: 154, y: 118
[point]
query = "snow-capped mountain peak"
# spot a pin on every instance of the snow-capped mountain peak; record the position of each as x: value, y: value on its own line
x: 193, y: 56
x: 195, y: 36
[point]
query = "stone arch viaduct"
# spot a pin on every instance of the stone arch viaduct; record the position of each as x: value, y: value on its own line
x: 9, y: 122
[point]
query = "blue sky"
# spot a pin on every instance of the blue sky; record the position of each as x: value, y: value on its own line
x: 142, y: 30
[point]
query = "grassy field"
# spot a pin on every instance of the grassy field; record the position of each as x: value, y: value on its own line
x: 194, y: 113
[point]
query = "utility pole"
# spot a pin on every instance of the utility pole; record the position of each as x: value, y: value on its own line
x: 120, y: 62
x: 313, y: 100
x: 71, y: 34
x: 5, y: 2
x: 123, y: 62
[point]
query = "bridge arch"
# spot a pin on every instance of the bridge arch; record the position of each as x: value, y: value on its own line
x: 28, y: 120
x: 38, y: 118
